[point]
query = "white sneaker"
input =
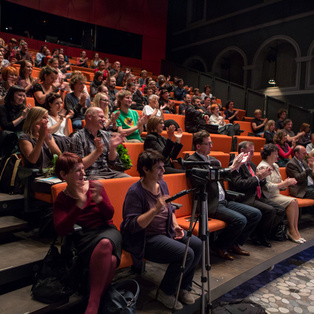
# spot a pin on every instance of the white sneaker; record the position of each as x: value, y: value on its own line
x: 185, y: 297
x: 168, y: 300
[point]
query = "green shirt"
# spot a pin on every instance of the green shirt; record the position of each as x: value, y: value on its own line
x: 127, y: 121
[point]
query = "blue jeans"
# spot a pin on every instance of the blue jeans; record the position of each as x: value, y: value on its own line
x: 241, y: 220
x: 164, y: 250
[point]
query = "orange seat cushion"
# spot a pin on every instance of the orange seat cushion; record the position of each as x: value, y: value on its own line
x: 213, y: 224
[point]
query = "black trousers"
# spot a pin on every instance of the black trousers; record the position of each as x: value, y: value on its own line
x: 272, y: 215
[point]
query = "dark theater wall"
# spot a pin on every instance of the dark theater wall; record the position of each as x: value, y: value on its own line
x: 144, y: 17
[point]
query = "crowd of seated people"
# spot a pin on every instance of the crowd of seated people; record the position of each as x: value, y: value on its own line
x: 109, y: 118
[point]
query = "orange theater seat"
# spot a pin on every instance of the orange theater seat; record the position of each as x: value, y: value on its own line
x: 177, y: 183
x: 31, y: 101
x: 303, y: 202
x: 241, y: 114
x: 245, y: 126
x: 178, y: 118
x: 224, y: 158
x: 221, y: 143
x: 258, y: 142
x: 134, y: 149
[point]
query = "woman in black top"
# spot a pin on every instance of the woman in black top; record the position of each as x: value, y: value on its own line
x: 166, y: 147
x: 165, y: 103
x: 231, y: 115
x: 13, y: 113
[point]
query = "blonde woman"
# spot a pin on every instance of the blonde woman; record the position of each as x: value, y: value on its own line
x: 37, y: 146
x: 269, y: 131
x: 102, y: 101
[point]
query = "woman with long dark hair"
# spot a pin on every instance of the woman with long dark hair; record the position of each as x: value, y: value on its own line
x: 47, y: 76
x: 25, y: 78
x: 14, y: 111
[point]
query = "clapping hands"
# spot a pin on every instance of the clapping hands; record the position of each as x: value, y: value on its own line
x: 96, y: 188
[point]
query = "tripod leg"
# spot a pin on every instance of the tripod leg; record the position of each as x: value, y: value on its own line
x: 206, y: 306
x: 208, y: 267
x: 189, y: 234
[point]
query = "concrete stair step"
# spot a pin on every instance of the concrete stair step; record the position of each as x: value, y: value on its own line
x: 11, y: 224
x: 11, y: 203
x: 18, y: 259
x: 20, y: 301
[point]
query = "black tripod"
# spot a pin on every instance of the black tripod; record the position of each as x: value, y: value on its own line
x: 200, y: 202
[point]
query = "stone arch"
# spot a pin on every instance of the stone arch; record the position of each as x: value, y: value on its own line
x: 196, y: 63
x: 310, y: 67
x: 276, y: 59
x: 229, y: 65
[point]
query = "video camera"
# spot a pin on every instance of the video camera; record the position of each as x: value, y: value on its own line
x: 201, y: 176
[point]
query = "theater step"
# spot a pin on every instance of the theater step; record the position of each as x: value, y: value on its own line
x: 18, y: 259
x: 11, y: 224
x: 9, y: 204
x: 20, y: 301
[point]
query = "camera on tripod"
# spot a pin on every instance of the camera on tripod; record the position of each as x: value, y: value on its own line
x: 211, y: 174
x: 201, y: 176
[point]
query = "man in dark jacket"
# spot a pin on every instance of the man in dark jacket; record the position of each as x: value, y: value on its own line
x: 241, y: 219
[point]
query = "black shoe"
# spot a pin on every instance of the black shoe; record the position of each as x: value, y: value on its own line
x: 265, y: 242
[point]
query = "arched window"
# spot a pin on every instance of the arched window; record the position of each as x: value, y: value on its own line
x: 229, y: 65
x: 276, y: 60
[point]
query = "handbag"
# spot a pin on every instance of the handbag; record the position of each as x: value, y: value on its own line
x: 54, y: 279
x: 121, y: 298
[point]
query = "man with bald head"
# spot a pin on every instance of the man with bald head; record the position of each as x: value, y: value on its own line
x: 298, y: 168
x: 97, y: 147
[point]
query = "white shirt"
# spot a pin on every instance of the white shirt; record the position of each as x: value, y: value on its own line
x: 148, y: 110
x: 60, y: 131
x: 221, y: 191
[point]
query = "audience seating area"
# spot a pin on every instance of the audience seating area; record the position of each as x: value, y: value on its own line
x: 116, y: 189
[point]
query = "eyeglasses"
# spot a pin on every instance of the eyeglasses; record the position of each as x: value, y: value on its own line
x: 105, y: 100
x: 208, y: 143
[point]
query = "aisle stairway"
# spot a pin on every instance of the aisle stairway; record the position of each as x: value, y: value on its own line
x: 21, y: 252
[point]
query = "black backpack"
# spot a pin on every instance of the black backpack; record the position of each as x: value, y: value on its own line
x: 9, y: 179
